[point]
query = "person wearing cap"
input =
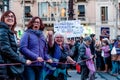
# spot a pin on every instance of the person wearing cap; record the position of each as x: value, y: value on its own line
x: 85, y: 56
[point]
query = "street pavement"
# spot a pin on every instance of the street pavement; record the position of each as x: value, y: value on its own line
x: 99, y: 75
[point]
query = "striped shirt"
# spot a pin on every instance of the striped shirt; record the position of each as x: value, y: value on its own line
x: 118, y: 50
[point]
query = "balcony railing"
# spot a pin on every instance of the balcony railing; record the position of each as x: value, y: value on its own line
x: 80, y: 1
x: 82, y: 18
x: 104, y: 22
x: 28, y: 1
x: 53, y: 18
x: 63, y: 18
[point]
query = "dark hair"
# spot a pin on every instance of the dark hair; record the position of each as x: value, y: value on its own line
x: 92, y: 35
x: 30, y: 24
x: 106, y: 42
x: 5, y: 14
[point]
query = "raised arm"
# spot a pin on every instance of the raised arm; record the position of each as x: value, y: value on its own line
x: 50, y: 39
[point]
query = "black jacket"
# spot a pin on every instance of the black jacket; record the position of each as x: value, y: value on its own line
x: 82, y: 54
x: 8, y: 46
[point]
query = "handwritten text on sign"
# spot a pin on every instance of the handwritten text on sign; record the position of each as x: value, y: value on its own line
x: 69, y: 28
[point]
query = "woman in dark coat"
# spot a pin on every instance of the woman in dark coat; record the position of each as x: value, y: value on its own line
x: 8, y: 46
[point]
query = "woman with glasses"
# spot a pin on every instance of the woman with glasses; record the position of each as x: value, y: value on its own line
x: 33, y: 46
x: 8, y: 47
x: 59, y: 54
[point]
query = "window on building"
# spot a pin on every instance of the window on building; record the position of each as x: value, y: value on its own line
x: 52, y: 10
x: 104, y: 14
x: 44, y: 10
x: 27, y: 11
x: 58, y: 9
x: 81, y: 12
x: 54, y: 7
x: 63, y: 11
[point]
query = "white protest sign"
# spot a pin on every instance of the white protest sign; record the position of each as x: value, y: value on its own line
x: 69, y: 28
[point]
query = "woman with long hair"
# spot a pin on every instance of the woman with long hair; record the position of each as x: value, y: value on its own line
x: 8, y: 46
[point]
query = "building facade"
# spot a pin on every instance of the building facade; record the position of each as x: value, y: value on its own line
x: 95, y: 15
x: 107, y: 18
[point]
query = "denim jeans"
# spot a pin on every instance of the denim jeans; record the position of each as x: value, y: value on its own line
x: 114, y: 67
x: 119, y: 66
x: 33, y: 73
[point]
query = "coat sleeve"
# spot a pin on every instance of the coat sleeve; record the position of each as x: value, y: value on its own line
x: 24, y: 44
x: 6, y: 48
x: 46, y: 55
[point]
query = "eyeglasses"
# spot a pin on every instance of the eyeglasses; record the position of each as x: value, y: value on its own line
x: 58, y: 37
x: 37, y: 22
x: 9, y: 16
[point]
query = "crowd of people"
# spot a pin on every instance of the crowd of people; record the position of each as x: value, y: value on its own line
x: 37, y: 57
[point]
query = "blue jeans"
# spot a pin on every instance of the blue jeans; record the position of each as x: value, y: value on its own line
x: 119, y: 66
x: 33, y: 73
x: 114, y: 67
